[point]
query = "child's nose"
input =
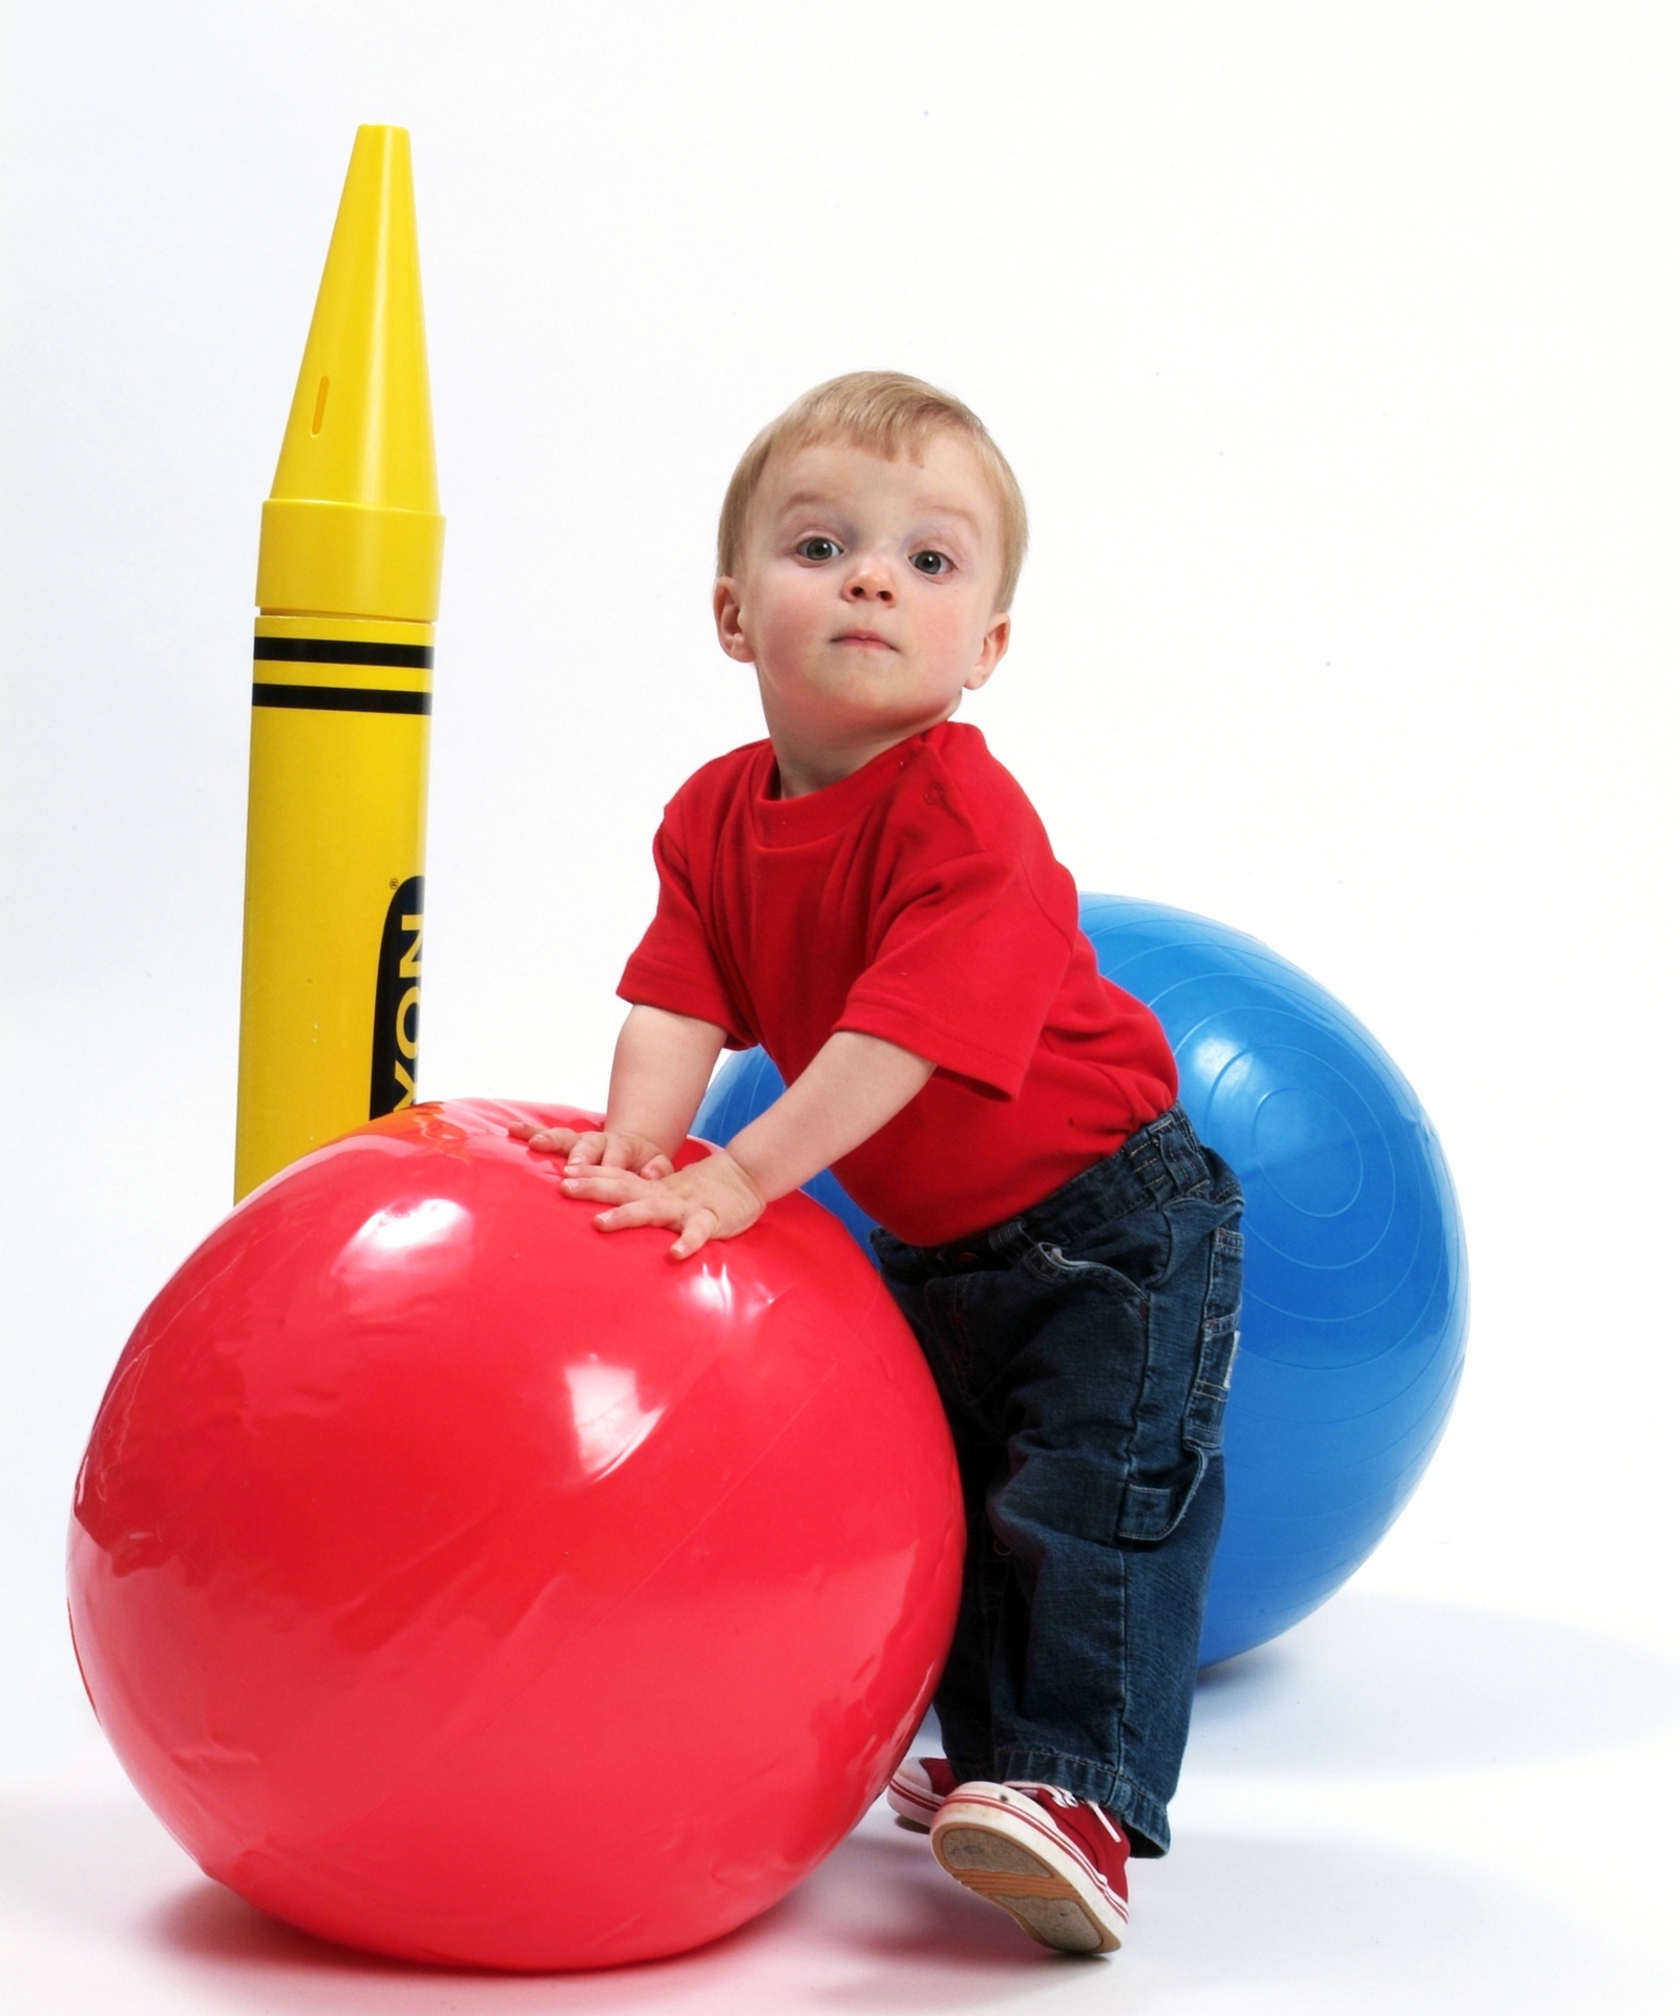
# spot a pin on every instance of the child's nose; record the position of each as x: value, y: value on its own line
x: 870, y: 582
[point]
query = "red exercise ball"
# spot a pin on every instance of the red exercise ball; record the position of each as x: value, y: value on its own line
x: 457, y: 1581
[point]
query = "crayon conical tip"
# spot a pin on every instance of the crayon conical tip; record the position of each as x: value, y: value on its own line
x: 351, y: 527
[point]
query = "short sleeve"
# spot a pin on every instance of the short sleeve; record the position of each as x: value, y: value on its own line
x: 674, y: 967
x: 967, y: 970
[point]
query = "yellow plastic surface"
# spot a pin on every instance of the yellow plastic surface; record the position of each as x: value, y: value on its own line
x: 350, y: 560
x: 352, y: 526
x: 337, y: 825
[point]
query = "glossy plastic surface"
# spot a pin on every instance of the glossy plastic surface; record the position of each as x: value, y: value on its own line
x: 461, y: 1582
x: 351, y: 527
x: 348, y: 572
x: 1356, y: 1294
x: 335, y: 856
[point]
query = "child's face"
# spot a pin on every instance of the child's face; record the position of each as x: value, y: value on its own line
x: 866, y: 598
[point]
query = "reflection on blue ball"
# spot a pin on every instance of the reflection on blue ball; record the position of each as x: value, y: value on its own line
x: 1355, y: 1296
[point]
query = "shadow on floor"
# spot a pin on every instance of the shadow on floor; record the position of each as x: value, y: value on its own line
x: 1372, y: 1687
x: 1224, y: 1927
x: 1380, y: 1685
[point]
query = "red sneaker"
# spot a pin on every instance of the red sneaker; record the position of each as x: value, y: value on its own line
x: 1055, y: 1863
x: 918, y: 1788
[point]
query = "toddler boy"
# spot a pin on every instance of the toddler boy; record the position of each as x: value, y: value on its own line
x: 869, y: 894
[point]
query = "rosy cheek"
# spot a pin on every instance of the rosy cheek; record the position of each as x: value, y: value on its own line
x: 791, y: 619
x: 945, y: 627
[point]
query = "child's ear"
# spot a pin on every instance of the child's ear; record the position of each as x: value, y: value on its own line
x: 726, y: 613
x: 992, y: 647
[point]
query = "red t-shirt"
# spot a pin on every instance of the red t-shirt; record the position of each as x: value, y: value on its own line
x: 916, y: 900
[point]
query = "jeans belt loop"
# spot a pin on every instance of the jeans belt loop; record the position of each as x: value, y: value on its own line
x: 1148, y: 1165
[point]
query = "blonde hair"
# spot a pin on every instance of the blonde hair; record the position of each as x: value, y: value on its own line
x: 892, y: 416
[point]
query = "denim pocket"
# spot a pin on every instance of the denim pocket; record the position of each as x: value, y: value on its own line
x: 1193, y: 1334
x: 1157, y: 1464
x: 1050, y: 1263
x: 1204, y: 1420
x: 1128, y: 1257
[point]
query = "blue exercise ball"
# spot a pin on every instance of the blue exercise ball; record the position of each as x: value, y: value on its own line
x: 1356, y: 1294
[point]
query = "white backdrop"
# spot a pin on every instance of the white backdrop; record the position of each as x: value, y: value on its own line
x: 1335, y: 349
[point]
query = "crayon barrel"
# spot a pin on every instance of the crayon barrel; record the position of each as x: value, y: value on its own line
x: 334, y: 882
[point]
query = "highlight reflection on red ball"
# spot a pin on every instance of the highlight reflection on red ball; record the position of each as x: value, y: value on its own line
x: 457, y: 1581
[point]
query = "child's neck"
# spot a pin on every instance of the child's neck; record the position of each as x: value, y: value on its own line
x: 802, y: 769
x: 796, y: 778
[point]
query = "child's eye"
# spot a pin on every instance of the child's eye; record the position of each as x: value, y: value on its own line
x: 817, y: 548
x: 930, y: 562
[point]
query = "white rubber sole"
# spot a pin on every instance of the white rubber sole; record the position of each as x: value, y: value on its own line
x: 912, y: 1798
x: 1003, y: 1846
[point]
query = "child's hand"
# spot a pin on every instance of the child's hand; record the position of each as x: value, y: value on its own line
x: 714, y: 1199
x: 634, y: 1152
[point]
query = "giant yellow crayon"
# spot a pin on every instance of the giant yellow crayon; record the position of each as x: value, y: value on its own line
x: 347, y: 587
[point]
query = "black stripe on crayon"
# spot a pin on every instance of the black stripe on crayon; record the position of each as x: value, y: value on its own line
x: 341, y: 699
x: 332, y: 651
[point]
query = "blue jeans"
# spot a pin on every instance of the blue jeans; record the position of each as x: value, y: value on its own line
x: 1083, y: 1353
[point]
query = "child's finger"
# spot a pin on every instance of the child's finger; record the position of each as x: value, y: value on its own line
x: 601, y: 1186
x: 546, y: 1140
x: 695, y: 1232
x: 658, y: 1166
x: 639, y: 1211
